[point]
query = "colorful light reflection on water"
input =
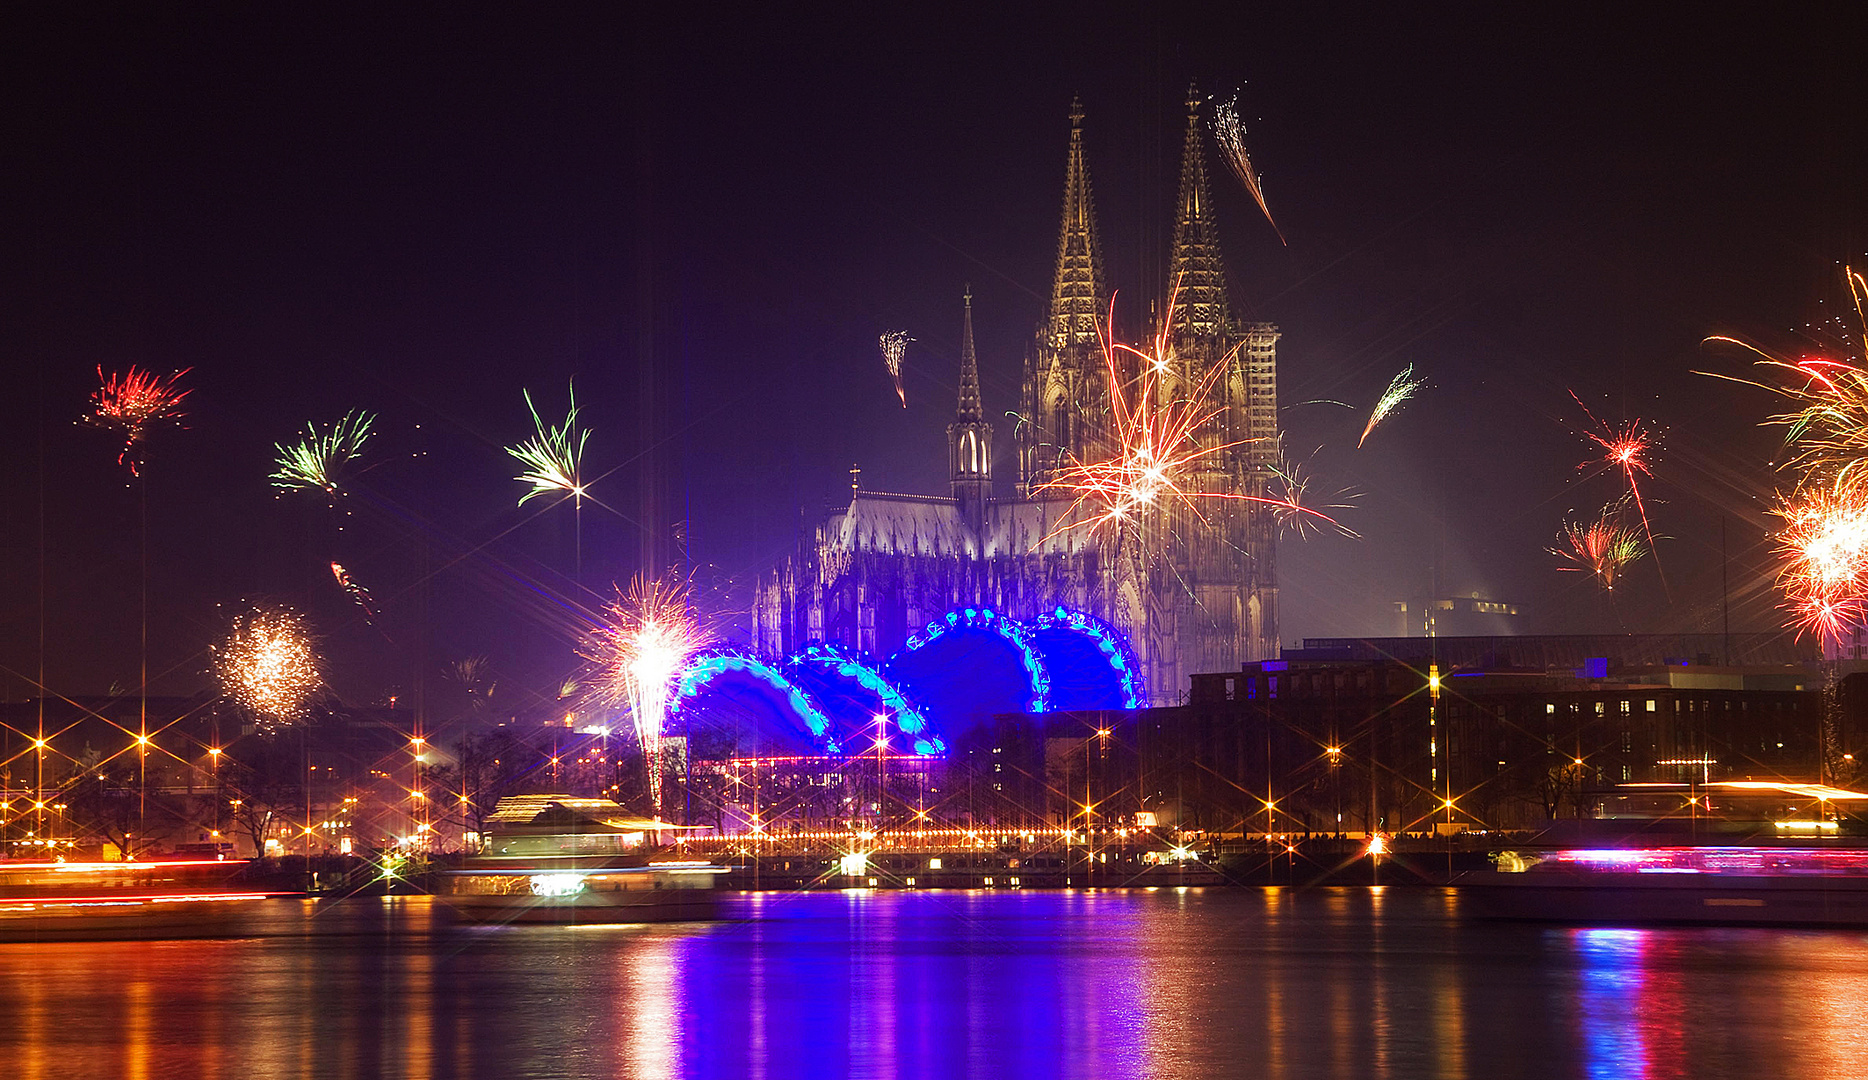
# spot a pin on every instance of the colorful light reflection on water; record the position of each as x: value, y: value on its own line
x: 1008, y: 985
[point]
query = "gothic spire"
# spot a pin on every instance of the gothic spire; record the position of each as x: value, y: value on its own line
x: 969, y: 437
x: 970, y: 408
x: 1195, y: 261
x: 1077, y: 291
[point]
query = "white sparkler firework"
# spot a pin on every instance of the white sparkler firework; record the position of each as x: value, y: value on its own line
x: 895, y: 349
x: 645, y: 640
x: 1229, y: 132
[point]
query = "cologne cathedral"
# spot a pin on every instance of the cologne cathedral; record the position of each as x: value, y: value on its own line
x: 1190, y: 589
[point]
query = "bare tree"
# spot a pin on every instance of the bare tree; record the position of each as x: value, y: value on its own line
x: 263, y: 785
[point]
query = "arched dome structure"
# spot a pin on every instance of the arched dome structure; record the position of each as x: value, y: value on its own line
x: 968, y: 665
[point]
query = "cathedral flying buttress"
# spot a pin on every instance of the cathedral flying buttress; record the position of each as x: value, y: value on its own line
x: 1189, y: 592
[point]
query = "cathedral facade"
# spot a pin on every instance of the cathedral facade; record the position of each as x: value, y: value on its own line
x: 1191, y: 589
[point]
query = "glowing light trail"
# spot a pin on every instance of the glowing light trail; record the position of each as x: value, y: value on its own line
x: 1158, y: 444
x: 132, y: 403
x: 1602, y: 548
x: 894, y: 345
x: 1625, y: 449
x: 357, y: 592
x: 1229, y: 132
x: 644, y: 642
x: 553, y: 456
x: 1402, y: 387
x: 317, y: 461
x: 1824, y: 542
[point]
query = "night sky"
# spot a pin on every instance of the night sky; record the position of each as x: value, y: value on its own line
x: 421, y: 213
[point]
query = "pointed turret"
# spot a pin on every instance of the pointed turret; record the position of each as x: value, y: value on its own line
x: 969, y: 437
x: 1077, y: 291
x: 1200, y: 309
x: 970, y: 408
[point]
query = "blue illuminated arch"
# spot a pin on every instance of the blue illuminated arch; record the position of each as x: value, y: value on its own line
x: 703, y: 670
x: 1107, y: 642
x: 908, y: 718
x: 989, y: 621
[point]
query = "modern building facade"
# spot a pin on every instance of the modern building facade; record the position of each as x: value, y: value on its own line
x: 1360, y: 744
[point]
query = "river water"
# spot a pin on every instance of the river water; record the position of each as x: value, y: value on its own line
x: 1350, y: 982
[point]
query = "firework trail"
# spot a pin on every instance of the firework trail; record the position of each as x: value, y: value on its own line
x: 1824, y: 547
x: 894, y: 345
x: 1824, y: 542
x: 357, y: 592
x: 553, y: 455
x: 475, y: 677
x: 132, y: 403
x: 1400, y: 389
x: 646, y: 637
x: 1157, y: 445
x: 1602, y: 548
x: 1626, y: 449
x: 269, y: 665
x: 1229, y: 132
x: 1828, y: 431
x: 1291, y: 505
x: 317, y: 461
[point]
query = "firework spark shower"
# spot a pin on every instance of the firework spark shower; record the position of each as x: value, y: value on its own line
x: 1602, y: 548
x: 553, y: 457
x: 1158, y: 445
x: 133, y: 403
x: 1291, y: 498
x: 1824, y: 543
x: 1402, y: 387
x: 1625, y: 449
x: 269, y: 664
x: 355, y: 591
x: 1824, y: 548
x: 646, y: 637
x: 894, y: 344
x: 1229, y: 132
x: 317, y: 462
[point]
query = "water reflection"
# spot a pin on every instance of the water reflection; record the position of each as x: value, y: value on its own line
x: 1280, y: 983
x: 1830, y: 1002
x: 1610, y: 1004
x: 650, y: 1007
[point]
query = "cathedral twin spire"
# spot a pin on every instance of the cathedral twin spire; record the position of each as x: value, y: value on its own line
x: 1062, y: 407
x: 1077, y: 293
x: 1194, y: 265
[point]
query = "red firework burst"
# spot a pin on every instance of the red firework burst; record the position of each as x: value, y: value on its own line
x: 1625, y: 449
x: 1824, y: 546
x: 132, y: 403
x: 1159, y: 445
x: 1602, y: 548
